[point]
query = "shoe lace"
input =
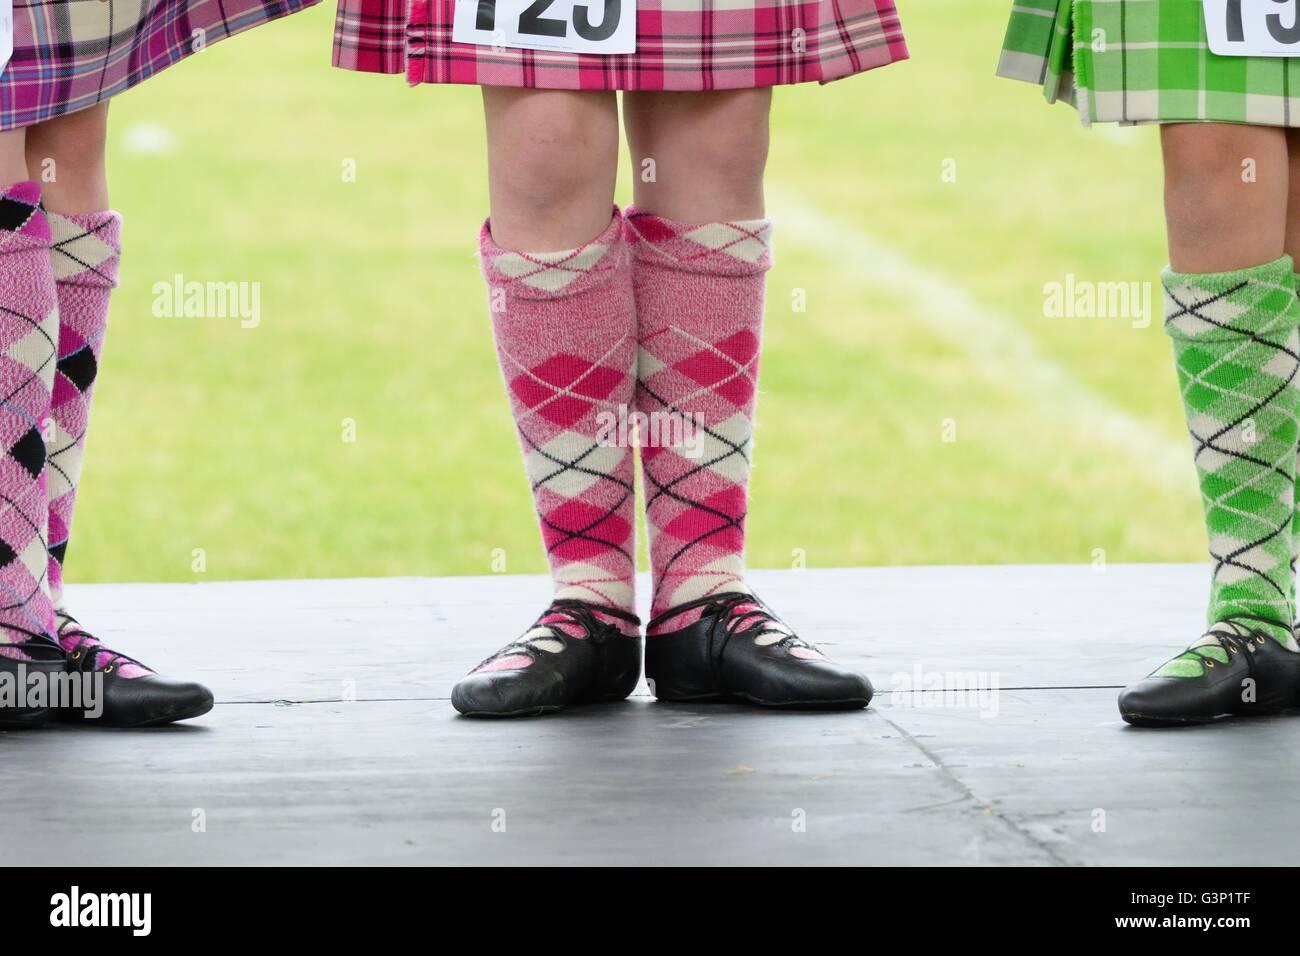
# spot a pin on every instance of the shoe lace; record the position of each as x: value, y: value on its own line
x: 744, y: 615
x: 36, y: 647
x: 87, y: 651
x: 1235, y: 634
x: 546, y: 627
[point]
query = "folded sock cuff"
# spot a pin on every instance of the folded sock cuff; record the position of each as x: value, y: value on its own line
x: 742, y: 247
x: 23, y: 224
x: 85, y: 248
x: 1216, y: 306
x: 554, y: 275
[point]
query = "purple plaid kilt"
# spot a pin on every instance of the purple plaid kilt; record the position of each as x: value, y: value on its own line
x: 72, y: 54
x: 682, y: 45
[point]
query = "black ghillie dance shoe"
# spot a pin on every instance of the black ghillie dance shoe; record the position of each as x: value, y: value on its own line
x: 575, y: 653
x: 22, y: 666
x: 738, y: 650
x: 128, y: 694
x: 1235, y: 668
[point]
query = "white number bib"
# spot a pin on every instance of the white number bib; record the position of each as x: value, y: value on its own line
x: 6, y: 32
x: 1253, y: 27
x: 567, y: 26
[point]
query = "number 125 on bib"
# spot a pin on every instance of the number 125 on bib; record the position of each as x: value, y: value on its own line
x: 564, y: 26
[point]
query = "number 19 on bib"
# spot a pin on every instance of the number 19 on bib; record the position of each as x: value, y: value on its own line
x: 564, y: 26
x: 1253, y: 27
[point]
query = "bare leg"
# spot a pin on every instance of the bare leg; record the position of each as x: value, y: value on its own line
x: 699, y: 157
x: 552, y: 166
x: 1293, y: 196
x: 1225, y: 195
x: 13, y: 164
x: 66, y: 156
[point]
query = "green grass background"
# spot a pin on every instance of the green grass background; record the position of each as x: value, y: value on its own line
x: 207, y: 435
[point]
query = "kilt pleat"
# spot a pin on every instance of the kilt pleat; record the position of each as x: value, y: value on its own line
x: 71, y: 55
x: 681, y: 45
x: 1144, y: 61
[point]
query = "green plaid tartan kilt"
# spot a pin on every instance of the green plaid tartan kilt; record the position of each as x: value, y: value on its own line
x: 1144, y: 61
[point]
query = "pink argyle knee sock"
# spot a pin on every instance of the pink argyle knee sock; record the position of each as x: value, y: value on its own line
x: 85, y: 249
x: 29, y: 319
x: 699, y: 302
x: 566, y: 340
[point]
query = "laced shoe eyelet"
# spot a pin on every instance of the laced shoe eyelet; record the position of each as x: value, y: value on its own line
x: 108, y: 669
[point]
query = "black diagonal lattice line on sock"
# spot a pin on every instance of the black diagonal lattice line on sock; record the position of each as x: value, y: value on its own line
x: 80, y: 368
x: 666, y: 489
x: 581, y: 534
x: 23, y: 452
x: 23, y: 600
x: 734, y: 449
x: 1255, y: 407
x: 34, y: 375
x: 1229, y: 560
x: 85, y: 233
x: 1259, y: 405
x: 567, y: 466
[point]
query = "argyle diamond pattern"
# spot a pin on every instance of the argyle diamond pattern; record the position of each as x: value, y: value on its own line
x: 566, y: 342
x: 28, y: 353
x: 85, y: 252
x: 699, y: 294
x: 1237, y: 352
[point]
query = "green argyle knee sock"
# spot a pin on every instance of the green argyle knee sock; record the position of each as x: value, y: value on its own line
x: 1295, y: 520
x: 1237, y: 350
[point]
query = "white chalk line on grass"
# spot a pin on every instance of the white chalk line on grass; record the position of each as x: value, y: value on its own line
x: 1001, y: 352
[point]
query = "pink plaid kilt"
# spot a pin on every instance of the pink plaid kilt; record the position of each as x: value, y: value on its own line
x: 72, y: 54
x: 681, y: 45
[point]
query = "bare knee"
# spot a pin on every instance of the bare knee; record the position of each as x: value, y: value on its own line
x: 552, y: 164
x: 1225, y: 196
x: 701, y: 156
x: 67, y: 155
x: 723, y: 149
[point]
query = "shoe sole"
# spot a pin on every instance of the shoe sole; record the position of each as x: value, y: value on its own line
x: 851, y: 703
x: 158, y: 720
x: 1146, y: 720
x: 29, y: 720
x: 540, y: 711
x: 168, y: 718
x: 506, y: 714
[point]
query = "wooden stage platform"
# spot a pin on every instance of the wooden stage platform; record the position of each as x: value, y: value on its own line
x: 333, y: 740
